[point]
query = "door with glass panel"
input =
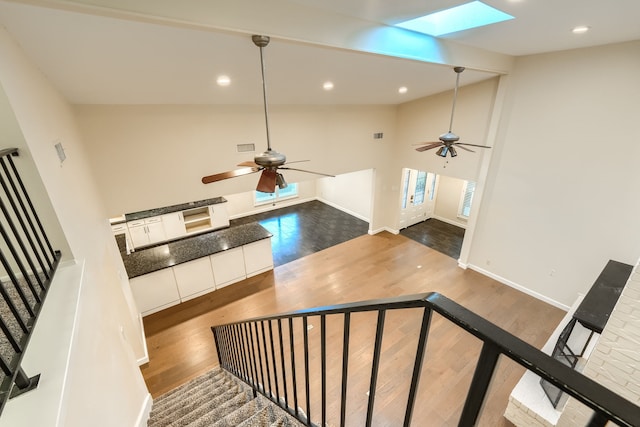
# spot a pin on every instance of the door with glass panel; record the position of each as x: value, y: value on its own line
x: 418, y: 196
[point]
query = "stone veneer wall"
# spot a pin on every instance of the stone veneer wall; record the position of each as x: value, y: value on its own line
x: 615, y: 361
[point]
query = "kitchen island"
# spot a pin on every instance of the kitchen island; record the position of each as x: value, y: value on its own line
x: 174, y: 272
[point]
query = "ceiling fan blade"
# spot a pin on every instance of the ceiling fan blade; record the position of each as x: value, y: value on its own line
x: 472, y: 145
x: 302, y: 170
x: 267, y: 182
x: 249, y: 163
x: 297, y: 161
x: 430, y: 146
x: 465, y: 148
x: 230, y: 174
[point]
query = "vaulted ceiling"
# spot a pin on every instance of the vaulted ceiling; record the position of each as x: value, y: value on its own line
x: 148, y: 52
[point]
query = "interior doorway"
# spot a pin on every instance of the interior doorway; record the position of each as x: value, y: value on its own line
x: 442, y: 200
x: 418, y: 197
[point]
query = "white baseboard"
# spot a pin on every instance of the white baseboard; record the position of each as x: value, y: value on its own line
x: 449, y: 221
x: 145, y: 411
x: 519, y: 287
x: 145, y: 358
x: 380, y: 230
x: 333, y: 205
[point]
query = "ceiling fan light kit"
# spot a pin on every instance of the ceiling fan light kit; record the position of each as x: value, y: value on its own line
x: 449, y: 139
x: 269, y: 161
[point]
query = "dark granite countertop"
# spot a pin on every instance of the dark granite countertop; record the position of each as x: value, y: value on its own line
x: 155, y: 258
x: 174, y: 208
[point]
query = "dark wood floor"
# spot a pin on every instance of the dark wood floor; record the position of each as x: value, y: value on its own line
x: 438, y: 235
x: 305, y: 228
x: 181, y: 347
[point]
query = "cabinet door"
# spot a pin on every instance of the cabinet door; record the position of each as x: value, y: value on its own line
x: 155, y: 291
x: 173, y: 225
x: 219, y: 215
x: 139, y: 235
x: 228, y: 267
x: 194, y: 278
x: 258, y: 257
x: 155, y: 231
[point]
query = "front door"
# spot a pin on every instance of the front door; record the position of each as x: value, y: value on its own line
x: 417, y: 199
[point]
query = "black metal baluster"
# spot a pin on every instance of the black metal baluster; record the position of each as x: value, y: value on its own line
x: 256, y: 381
x: 264, y: 387
x: 293, y: 367
x: 305, y: 335
x: 226, y: 355
x: 234, y: 348
x: 479, y: 384
x: 8, y: 300
x: 243, y: 353
x: 26, y: 233
x: 275, y: 364
x: 18, y: 261
x: 375, y: 366
x: 52, y: 253
x: 216, y: 342
x: 323, y: 364
x: 284, y: 372
x: 345, y: 367
x: 598, y: 419
x: 266, y: 357
x: 417, y: 366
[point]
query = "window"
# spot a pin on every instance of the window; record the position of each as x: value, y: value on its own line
x: 421, y: 183
x: 289, y: 192
x: 466, y: 198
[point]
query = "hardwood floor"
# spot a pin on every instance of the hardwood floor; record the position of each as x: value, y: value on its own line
x: 438, y: 235
x: 181, y: 346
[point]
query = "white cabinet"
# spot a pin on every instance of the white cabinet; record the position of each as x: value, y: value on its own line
x: 197, y: 220
x: 173, y: 224
x: 219, y: 216
x: 194, y: 278
x: 146, y: 231
x: 258, y: 257
x: 228, y: 267
x: 155, y: 291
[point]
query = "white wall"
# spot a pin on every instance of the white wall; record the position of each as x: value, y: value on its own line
x: 350, y: 192
x: 448, y: 200
x: 103, y: 371
x: 559, y: 200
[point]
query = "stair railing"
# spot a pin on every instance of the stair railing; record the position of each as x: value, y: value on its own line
x: 28, y: 263
x: 259, y: 353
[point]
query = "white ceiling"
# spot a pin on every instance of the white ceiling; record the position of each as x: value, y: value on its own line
x: 145, y: 52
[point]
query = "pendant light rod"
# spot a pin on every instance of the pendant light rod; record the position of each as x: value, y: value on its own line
x: 458, y: 70
x: 261, y: 42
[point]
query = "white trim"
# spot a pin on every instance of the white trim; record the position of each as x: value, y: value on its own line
x: 144, y: 359
x: 357, y: 215
x: 145, y: 411
x: 380, y: 230
x: 518, y: 287
x: 272, y: 206
x: 49, y: 352
x: 449, y: 221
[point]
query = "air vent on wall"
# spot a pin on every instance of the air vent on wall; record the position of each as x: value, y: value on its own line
x: 377, y: 135
x: 243, y: 148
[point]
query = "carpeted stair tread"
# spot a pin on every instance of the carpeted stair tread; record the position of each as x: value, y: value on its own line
x: 195, y: 398
x: 194, y: 405
x: 217, y: 399
x: 208, y: 390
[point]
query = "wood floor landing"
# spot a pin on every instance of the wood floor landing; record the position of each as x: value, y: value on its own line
x: 181, y: 346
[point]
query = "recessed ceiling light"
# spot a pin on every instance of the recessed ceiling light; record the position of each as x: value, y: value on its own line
x: 581, y: 29
x: 463, y: 17
x: 327, y: 85
x: 402, y: 89
x: 223, y: 81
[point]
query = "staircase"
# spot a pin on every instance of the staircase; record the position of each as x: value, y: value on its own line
x: 216, y: 399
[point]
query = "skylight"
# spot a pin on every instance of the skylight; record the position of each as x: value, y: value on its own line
x: 469, y: 15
